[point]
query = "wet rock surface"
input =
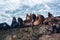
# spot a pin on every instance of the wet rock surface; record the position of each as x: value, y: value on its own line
x: 40, y: 32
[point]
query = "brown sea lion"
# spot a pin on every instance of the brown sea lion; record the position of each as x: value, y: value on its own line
x: 48, y: 20
x: 33, y: 16
x: 28, y: 20
x: 28, y: 17
x: 39, y: 20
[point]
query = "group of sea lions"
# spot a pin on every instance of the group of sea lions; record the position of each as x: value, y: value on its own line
x: 33, y: 20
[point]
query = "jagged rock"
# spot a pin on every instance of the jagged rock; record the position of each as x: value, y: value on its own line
x: 45, y: 29
x: 41, y: 32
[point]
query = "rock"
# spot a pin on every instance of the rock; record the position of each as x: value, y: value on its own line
x: 41, y: 32
x: 44, y: 29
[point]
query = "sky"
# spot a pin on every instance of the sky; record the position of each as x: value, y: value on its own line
x: 19, y: 8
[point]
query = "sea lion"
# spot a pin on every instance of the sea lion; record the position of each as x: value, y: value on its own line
x: 14, y: 23
x: 39, y: 20
x: 48, y: 20
x: 20, y: 22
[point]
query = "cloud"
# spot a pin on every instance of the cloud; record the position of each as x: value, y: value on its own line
x: 9, y: 4
x: 34, y: 2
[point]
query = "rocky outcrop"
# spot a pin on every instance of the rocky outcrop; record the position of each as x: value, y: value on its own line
x: 40, y: 32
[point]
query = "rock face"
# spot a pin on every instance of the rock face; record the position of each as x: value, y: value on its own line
x: 40, y: 32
